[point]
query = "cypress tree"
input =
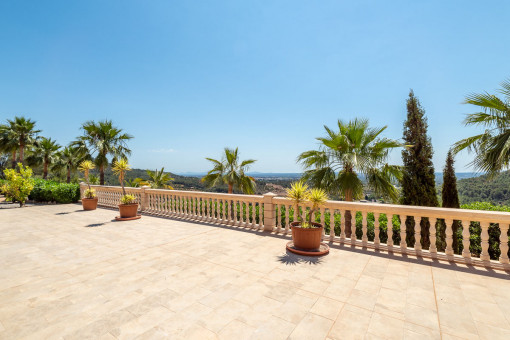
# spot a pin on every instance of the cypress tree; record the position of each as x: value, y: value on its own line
x: 418, y: 181
x: 450, y: 198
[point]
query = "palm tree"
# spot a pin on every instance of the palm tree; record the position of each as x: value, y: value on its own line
x: 68, y: 159
x: 158, y: 179
x: 25, y: 133
x: 492, y: 147
x: 231, y: 171
x: 45, y: 152
x: 86, y: 166
x: 8, y: 142
x: 343, y: 157
x: 102, y: 140
x: 120, y: 168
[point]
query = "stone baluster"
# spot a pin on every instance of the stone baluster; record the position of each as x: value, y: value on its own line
x: 466, y: 253
x: 331, y: 224
x: 484, y: 256
x: 377, y: 240
x: 229, y: 213
x: 503, y: 243
x: 417, y: 233
x: 449, y: 238
x: 432, y: 232
x: 403, y: 242
x: 364, y: 228
x: 287, y: 218
x: 353, y: 227
x: 342, y: 226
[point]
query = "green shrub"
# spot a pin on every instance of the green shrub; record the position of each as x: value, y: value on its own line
x: 19, y: 184
x: 50, y: 191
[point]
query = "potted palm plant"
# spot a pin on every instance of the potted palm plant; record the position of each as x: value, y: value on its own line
x: 306, y: 235
x: 89, y: 199
x: 128, y: 208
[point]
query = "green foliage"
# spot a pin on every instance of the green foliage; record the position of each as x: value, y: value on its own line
x: 342, y: 156
x: 418, y: 181
x: 492, y: 146
x: 19, y: 184
x: 475, y: 231
x: 89, y: 193
x: 51, y: 191
x: 495, y: 190
x: 102, y: 140
x: 230, y: 171
x: 128, y: 199
x: 158, y: 179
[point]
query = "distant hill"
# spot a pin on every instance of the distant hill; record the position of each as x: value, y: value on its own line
x: 460, y: 175
x: 268, y: 175
x: 272, y: 183
x: 481, y: 189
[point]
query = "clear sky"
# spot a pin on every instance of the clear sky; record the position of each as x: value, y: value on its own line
x: 188, y: 78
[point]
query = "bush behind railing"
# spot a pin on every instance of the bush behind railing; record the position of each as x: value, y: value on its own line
x: 51, y: 191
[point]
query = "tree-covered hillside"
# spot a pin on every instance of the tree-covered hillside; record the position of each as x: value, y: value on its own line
x: 274, y: 185
x: 481, y: 189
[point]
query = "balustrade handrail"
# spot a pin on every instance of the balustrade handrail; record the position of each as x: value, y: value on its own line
x: 395, y: 209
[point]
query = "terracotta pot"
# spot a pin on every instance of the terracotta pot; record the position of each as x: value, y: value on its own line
x: 128, y: 210
x: 306, y: 238
x: 89, y: 203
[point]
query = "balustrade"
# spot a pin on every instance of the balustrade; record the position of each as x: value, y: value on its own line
x: 380, y: 225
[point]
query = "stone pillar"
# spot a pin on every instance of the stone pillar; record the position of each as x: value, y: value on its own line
x: 143, y: 198
x: 269, y: 212
x: 83, y: 187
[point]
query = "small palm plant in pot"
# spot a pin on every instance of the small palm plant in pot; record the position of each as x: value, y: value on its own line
x: 128, y: 207
x: 89, y: 199
x: 306, y: 235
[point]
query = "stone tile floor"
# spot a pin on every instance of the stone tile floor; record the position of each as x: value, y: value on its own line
x: 70, y: 274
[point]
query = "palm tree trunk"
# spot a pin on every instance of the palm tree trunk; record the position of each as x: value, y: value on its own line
x: 21, y: 152
x: 101, y: 175
x: 230, y: 188
x: 45, y: 171
x: 13, y: 161
x: 68, y: 174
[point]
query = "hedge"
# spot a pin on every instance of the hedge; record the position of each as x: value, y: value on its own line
x: 50, y: 191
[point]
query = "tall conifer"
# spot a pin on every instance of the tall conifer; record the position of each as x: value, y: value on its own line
x: 450, y: 197
x: 418, y: 182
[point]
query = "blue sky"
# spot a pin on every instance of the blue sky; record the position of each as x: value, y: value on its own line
x: 188, y: 78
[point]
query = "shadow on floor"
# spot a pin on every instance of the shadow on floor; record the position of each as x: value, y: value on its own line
x: 425, y: 261
x: 292, y: 259
x: 94, y: 225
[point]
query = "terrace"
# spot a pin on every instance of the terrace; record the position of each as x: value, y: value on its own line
x: 193, y: 272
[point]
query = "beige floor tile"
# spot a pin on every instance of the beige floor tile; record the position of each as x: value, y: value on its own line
x: 457, y: 320
x: 486, y: 331
x: 421, y: 316
x: 391, y: 302
x: 311, y: 327
x: 327, y: 308
x: 386, y: 327
x: 362, y: 299
x: 236, y: 330
x: 352, y: 323
x: 413, y: 331
x: 488, y: 313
